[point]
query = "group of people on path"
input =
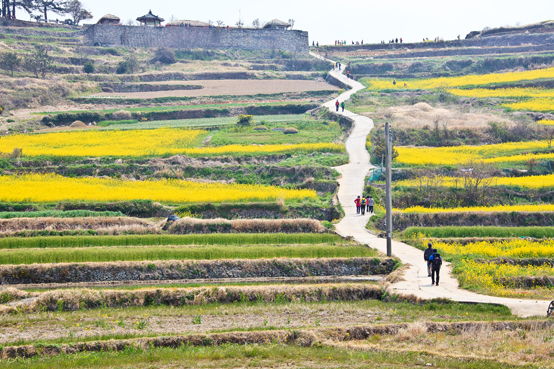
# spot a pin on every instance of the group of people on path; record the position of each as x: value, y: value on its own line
x: 364, y: 202
x: 342, y: 105
x: 393, y: 41
x: 337, y: 65
x: 434, y: 262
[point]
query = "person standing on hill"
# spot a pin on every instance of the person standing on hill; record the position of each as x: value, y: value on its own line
x: 362, y: 207
x: 342, y: 105
x: 347, y: 74
x: 426, y: 255
x: 337, y: 104
x: 358, y: 204
x: 436, y: 262
x: 370, y: 204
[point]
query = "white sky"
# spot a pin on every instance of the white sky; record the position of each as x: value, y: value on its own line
x: 327, y: 20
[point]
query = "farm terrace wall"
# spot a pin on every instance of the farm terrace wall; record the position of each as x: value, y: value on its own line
x: 192, y: 37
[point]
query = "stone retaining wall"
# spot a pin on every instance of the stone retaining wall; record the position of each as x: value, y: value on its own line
x: 177, y: 269
x: 193, y: 37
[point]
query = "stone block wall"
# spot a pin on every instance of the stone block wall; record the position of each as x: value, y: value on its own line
x: 192, y: 37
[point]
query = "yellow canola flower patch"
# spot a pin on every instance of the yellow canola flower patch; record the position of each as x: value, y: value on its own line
x: 104, y: 143
x: 265, y: 149
x: 153, y: 142
x: 546, y: 122
x: 53, y: 188
x: 527, y: 182
x: 470, y: 80
x: 503, y: 92
x: 506, y: 152
x: 517, y: 248
x: 496, y: 208
x: 539, y: 104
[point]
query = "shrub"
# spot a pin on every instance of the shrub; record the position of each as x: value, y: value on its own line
x: 122, y: 115
x: 88, y: 67
x: 290, y: 131
x: 245, y: 120
x: 164, y: 56
x: 260, y: 128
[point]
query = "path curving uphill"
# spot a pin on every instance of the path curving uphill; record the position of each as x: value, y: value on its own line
x: 416, y: 280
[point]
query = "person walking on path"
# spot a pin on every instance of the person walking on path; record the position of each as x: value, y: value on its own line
x: 370, y: 204
x: 426, y: 255
x: 347, y: 74
x: 358, y: 204
x: 337, y: 104
x: 362, y: 207
x: 342, y: 105
x: 436, y: 262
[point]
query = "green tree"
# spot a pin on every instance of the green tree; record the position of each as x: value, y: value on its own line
x: 88, y: 67
x: 379, y: 149
x: 39, y: 63
x: 10, y: 61
x: 245, y: 120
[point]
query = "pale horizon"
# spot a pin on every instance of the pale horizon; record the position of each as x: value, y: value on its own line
x: 350, y: 20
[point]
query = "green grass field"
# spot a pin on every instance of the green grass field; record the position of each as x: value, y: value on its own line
x: 234, y: 239
x: 308, y: 132
x: 500, y: 232
x: 123, y: 253
x: 207, y: 122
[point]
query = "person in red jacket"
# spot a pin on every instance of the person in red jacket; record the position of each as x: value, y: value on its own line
x: 358, y: 203
x: 337, y: 104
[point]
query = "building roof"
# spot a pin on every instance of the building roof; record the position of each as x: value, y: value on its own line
x: 150, y: 16
x: 276, y: 23
x: 110, y: 17
x: 193, y: 23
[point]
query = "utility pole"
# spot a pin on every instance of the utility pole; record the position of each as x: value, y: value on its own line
x: 388, y: 195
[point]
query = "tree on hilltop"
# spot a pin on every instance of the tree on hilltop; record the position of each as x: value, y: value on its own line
x: 77, y: 11
x: 59, y: 7
x: 256, y: 23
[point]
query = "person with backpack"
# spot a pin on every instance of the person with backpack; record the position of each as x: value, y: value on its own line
x: 337, y: 104
x: 363, y: 203
x: 436, y: 262
x: 358, y: 203
x: 426, y: 255
x: 370, y: 204
x: 342, y: 105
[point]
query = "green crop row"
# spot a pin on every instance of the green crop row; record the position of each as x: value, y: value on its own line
x: 461, y: 232
x: 161, y: 240
x: 106, y: 254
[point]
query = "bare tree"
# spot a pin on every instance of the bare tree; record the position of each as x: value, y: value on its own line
x: 130, y: 22
x: 239, y: 23
x: 77, y: 11
x: 548, y: 133
x: 220, y: 23
x: 291, y: 22
x: 210, y: 22
x: 256, y: 23
x: 476, y: 176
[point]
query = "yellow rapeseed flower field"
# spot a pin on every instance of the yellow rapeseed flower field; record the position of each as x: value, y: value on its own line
x: 104, y: 143
x: 546, y: 122
x: 505, y: 152
x: 539, y: 104
x: 495, y: 208
x: 516, y: 248
x: 154, y: 142
x: 495, y: 277
x: 53, y: 188
x: 527, y: 182
x: 503, y: 92
x: 470, y: 80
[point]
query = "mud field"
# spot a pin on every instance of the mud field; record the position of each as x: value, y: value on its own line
x: 229, y: 87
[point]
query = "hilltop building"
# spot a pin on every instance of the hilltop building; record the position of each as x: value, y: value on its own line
x: 277, y: 24
x: 109, y: 19
x: 150, y: 20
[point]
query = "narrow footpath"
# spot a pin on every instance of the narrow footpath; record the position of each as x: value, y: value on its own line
x: 416, y: 280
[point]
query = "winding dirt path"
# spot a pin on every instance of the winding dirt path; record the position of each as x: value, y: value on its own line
x: 416, y: 280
